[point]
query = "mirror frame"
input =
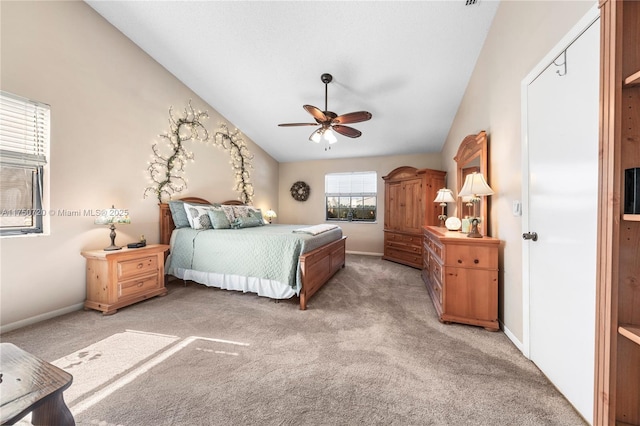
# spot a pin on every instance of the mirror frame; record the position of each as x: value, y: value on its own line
x: 471, y: 148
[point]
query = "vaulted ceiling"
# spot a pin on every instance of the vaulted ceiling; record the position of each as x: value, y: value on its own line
x: 258, y: 62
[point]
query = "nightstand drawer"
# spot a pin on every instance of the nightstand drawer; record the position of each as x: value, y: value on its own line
x: 133, y: 287
x: 137, y: 267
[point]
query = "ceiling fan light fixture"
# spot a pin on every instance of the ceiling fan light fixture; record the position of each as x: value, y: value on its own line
x: 316, y: 136
x: 329, y: 136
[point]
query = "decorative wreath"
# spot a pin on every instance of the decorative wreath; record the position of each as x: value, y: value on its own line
x: 300, y: 191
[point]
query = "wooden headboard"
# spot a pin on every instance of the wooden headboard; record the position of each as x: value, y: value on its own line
x: 166, y: 220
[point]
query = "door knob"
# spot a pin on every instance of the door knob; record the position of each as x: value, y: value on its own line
x: 530, y: 236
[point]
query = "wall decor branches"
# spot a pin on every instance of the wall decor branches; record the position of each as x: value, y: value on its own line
x: 166, y: 169
x: 240, y: 160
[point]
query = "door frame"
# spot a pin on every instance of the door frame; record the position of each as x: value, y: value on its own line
x: 576, y: 31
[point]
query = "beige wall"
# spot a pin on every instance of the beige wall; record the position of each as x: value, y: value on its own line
x: 362, y: 237
x: 109, y: 101
x: 522, y: 33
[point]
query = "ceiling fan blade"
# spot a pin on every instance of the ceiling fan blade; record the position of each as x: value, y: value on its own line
x: 317, y: 114
x: 352, y: 117
x: 297, y: 124
x: 347, y: 131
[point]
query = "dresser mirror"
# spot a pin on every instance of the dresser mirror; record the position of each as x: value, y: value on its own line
x: 472, y: 157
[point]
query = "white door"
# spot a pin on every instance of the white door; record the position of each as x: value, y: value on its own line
x: 562, y: 148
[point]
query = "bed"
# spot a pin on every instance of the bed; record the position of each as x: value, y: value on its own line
x: 275, y: 261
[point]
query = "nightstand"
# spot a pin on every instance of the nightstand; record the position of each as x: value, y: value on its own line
x: 116, y: 279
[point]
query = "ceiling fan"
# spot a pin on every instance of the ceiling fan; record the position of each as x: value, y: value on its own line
x: 329, y: 120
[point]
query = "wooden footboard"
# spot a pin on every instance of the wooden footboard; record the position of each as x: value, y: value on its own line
x: 318, y: 266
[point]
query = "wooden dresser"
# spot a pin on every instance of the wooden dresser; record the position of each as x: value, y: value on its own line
x: 461, y: 275
x: 408, y: 206
x: 122, y: 277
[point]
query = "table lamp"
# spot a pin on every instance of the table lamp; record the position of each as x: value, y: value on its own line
x: 443, y: 197
x: 270, y: 214
x: 475, y: 186
x: 111, y: 217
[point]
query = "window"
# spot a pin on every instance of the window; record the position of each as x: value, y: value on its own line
x: 24, y: 144
x: 351, y: 196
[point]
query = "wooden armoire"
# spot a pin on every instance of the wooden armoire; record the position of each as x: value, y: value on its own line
x: 617, y: 378
x: 408, y: 206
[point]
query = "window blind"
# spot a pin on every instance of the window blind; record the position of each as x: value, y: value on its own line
x: 24, y: 131
x: 355, y: 183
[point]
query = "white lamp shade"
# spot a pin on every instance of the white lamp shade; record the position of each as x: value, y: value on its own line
x: 270, y: 214
x: 444, y: 195
x: 329, y: 136
x: 474, y: 186
x: 112, y: 215
x: 323, y: 133
x: 316, y: 136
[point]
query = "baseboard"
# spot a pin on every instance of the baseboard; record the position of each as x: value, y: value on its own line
x: 518, y: 344
x: 42, y: 317
x: 365, y: 253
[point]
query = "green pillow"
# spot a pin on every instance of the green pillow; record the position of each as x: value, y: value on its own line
x: 246, y: 222
x: 179, y: 215
x: 219, y: 219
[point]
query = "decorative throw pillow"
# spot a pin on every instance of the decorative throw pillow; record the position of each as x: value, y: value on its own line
x: 219, y: 219
x: 257, y: 213
x: 246, y: 222
x: 179, y: 215
x: 198, y: 215
x: 247, y: 211
x: 229, y: 212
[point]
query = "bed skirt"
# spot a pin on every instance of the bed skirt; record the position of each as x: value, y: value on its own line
x: 260, y: 286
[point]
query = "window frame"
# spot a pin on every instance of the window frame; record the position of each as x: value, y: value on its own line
x: 345, y: 190
x: 25, y: 144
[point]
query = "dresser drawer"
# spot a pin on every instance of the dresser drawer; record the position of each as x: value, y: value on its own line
x: 141, y: 266
x: 416, y: 249
x: 434, y: 246
x: 413, y: 258
x: 467, y: 256
x: 140, y: 285
x: 436, y: 270
x: 437, y: 292
x: 404, y: 238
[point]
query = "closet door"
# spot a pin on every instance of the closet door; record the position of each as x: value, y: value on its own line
x: 562, y: 180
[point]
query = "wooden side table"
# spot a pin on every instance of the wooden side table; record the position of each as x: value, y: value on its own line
x: 30, y: 384
x: 122, y: 277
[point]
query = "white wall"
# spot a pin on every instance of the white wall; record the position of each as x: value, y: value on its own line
x: 109, y: 102
x: 521, y: 34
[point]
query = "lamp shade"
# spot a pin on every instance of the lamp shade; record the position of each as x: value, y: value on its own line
x: 323, y: 133
x: 444, y: 195
x: 270, y: 214
x: 474, y: 186
x: 112, y: 215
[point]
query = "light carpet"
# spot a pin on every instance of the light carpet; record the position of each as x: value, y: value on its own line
x: 369, y: 350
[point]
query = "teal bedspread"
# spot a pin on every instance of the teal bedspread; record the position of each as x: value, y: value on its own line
x: 270, y: 252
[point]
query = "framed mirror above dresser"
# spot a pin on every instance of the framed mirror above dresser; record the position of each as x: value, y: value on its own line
x: 472, y: 157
